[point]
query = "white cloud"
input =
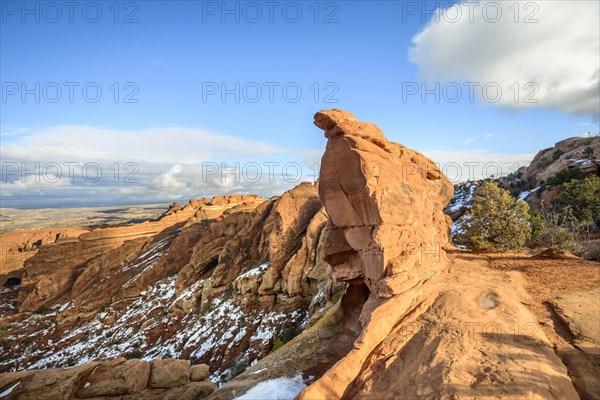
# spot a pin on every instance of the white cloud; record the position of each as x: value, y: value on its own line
x: 176, y: 164
x: 168, y: 180
x: 558, y: 54
x: 34, y: 184
x: 470, y: 140
x: 210, y: 179
x: 460, y: 166
x: 152, y: 164
x: 589, y: 134
x: 488, y: 136
x: 186, y: 145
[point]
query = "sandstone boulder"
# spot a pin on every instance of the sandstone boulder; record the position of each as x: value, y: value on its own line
x: 190, y: 391
x: 197, y: 390
x: 168, y: 373
x: 198, y: 372
x: 50, y: 384
x: 115, y: 378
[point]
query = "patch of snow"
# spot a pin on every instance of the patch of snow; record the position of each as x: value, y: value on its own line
x: 254, y: 271
x: 462, y: 196
x: 9, y: 390
x: 87, y: 384
x: 221, y: 326
x: 457, y: 206
x: 283, y: 388
x: 523, y: 195
x: 457, y: 229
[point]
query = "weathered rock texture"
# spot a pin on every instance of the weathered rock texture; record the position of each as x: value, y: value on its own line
x: 218, y: 281
x: 385, y: 202
x: 116, y: 379
x: 578, y: 316
x: 566, y: 154
x: 431, y: 328
x: 78, y: 267
x: 283, y: 231
x: 17, y: 247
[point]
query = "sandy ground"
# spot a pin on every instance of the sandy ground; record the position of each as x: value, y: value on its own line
x: 545, y: 280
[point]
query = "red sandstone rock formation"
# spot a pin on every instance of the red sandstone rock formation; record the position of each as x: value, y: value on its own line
x: 176, y: 288
x: 415, y: 340
x: 566, y: 154
x: 16, y: 247
x: 115, y: 379
x: 417, y: 318
x: 89, y: 258
x: 385, y: 200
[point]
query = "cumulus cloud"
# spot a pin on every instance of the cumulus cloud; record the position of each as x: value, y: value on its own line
x: 551, y: 52
x: 266, y: 179
x: 99, y: 165
x: 168, y: 180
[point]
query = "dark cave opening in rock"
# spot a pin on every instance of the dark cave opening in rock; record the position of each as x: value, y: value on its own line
x: 12, y: 282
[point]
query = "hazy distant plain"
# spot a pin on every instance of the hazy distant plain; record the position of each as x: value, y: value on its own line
x: 12, y: 219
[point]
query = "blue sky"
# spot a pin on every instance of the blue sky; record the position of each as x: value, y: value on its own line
x: 168, y: 54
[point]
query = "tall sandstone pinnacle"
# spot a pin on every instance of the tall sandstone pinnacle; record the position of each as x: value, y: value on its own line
x: 386, y: 202
x: 435, y: 322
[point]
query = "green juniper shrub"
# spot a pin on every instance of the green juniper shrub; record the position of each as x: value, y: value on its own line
x: 496, y: 221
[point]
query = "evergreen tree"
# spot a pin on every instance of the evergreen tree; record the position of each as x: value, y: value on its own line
x: 582, y: 196
x: 496, y: 221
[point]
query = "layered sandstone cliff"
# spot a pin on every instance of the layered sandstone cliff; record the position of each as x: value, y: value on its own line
x: 86, y: 258
x: 16, y: 247
x: 220, y: 281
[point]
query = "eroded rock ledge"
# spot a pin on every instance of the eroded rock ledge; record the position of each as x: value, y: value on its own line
x: 116, y: 379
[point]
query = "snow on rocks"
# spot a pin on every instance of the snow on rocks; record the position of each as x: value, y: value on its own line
x: 9, y: 390
x: 143, y: 328
x: 525, y: 194
x: 463, y: 195
x: 256, y: 271
x: 282, y: 388
x: 249, y: 282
